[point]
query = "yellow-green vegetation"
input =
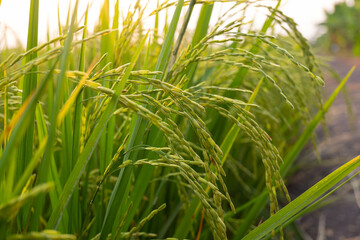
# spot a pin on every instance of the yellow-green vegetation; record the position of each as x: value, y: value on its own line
x: 180, y: 132
x: 342, y: 33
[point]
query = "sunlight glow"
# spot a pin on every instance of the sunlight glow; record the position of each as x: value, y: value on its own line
x: 14, y: 19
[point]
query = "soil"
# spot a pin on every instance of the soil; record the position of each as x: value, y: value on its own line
x: 339, y: 219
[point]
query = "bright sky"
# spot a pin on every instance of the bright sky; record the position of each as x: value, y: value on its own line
x: 14, y: 15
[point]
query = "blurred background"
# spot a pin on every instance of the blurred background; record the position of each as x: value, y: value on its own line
x: 308, y: 14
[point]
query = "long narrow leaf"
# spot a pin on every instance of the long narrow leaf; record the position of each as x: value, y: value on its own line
x: 303, y: 200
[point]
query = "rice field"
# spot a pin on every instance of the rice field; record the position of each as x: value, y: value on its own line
x: 179, y: 131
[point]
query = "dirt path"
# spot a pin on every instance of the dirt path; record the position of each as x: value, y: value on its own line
x: 339, y: 220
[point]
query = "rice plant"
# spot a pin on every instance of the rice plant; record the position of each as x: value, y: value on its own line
x: 180, y: 132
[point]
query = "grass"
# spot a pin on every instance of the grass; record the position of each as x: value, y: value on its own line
x: 107, y: 134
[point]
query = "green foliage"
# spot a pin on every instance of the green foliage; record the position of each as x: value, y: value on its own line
x: 342, y: 28
x: 137, y: 133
